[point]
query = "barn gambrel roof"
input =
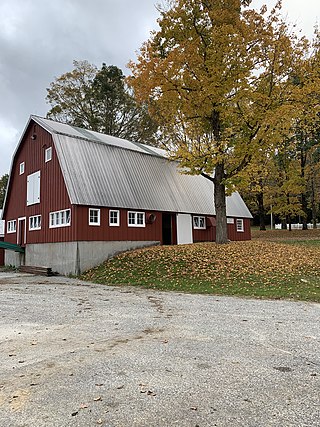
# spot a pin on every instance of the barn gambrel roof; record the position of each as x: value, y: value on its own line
x: 101, y: 170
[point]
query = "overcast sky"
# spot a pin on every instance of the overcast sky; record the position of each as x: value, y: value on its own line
x: 39, y: 39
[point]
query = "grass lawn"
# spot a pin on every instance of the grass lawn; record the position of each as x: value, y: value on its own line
x: 284, y: 268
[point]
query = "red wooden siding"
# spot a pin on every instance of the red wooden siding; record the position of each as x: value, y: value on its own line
x: 209, y: 234
x: 53, y: 193
x: 235, y: 235
x: 1, y: 253
x: 151, y: 232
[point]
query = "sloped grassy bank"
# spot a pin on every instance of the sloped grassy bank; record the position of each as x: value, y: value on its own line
x: 261, y: 269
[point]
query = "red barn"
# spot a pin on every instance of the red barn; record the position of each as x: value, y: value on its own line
x: 76, y: 197
x: 1, y: 239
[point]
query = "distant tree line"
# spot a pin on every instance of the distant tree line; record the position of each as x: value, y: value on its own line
x: 3, y: 188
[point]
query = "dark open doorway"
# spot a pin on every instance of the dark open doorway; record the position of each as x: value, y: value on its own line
x: 21, y: 235
x: 167, y: 229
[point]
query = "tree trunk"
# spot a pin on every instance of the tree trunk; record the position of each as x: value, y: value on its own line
x: 220, y: 205
x: 289, y: 222
x: 313, y: 205
x: 304, y: 205
x: 283, y: 224
x: 304, y: 201
x: 261, y: 211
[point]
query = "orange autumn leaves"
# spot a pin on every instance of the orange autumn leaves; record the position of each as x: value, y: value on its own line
x: 248, y: 262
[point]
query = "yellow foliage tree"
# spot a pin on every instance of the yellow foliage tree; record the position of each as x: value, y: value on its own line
x: 215, y: 76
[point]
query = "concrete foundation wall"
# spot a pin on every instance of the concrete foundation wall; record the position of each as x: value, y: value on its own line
x: 14, y: 259
x: 71, y: 257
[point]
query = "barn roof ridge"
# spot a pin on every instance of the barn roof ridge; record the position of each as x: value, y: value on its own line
x: 89, y: 135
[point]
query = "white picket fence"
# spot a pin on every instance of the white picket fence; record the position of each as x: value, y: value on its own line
x: 295, y: 226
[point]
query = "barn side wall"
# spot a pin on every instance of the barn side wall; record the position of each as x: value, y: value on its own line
x: 209, y: 234
x: 105, y: 232
x: 235, y: 235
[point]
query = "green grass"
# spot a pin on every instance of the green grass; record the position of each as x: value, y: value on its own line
x: 310, y: 243
x: 251, y: 269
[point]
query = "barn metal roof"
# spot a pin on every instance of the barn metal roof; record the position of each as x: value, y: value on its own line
x: 101, y: 170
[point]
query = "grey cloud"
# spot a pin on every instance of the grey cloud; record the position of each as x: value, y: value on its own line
x: 39, y: 39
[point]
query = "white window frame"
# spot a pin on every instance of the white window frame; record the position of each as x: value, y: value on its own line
x: 134, y: 215
x: 59, y: 218
x: 117, y: 223
x: 230, y: 220
x: 12, y: 226
x: 33, y: 188
x: 34, y: 222
x: 239, y: 225
x: 21, y: 168
x: 97, y: 223
x: 200, y: 218
x: 48, y: 154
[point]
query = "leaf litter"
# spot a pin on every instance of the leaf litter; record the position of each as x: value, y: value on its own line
x: 239, y: 268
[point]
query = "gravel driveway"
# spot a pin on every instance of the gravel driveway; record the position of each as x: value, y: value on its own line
x: 77, y: 354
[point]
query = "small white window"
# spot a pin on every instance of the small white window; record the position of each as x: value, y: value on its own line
x: 140, y: 219
x: 33, y: 188
x: 239, y: 224
x: 60, y: 218
x: 136, y: 219
x: 94, y: 216
x: 230, y: 220
x: 48, y: 154
x: 11, y: 226
x: 35, y: 222
x: 199, y: 222
x: 114, y: 218
x: 21, y: 169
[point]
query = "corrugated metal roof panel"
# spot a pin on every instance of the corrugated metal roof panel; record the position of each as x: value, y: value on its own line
x: 73, y: 131
x: 107, y: 175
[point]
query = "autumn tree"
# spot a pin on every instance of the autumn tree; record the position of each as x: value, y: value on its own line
x: 3, y: 188
x: 288, y: 184
x: 264, y: 177
x: 255, y: 184
x: 313, y: 183
x: 307, y: 123
x: 100, y: 100
x: 215, y: 76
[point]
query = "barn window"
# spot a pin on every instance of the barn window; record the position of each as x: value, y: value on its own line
x: 48, y: 154
x: 35, y: 222
x: 199, y: 222
x: 136, y: 219
x: 94, y: 216
x: 239, y: 224
x: 230, y: 220
x: 21, y: 168
x: 60, y: 218
x: 33, y: 188
x: 114, y: 218
x: 12, y: 226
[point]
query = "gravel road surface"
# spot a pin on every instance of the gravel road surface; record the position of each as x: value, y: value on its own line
x: 79, y: 354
